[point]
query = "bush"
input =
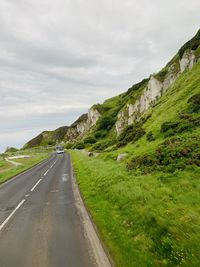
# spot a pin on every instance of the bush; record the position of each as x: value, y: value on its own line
x: 131, y: 134
x: 150, y: 136
x: 90, y: 140
x: 106, y: 123
x: 187, y: 123
x: 168, y: 125
x: 69, y: 145
x: 79, y: 145
x: 194, y: 103
x: 102, y: 145
x: 100, y: 134
x: 149, y: 161
x: 51, y: 143
x: 173, y: 154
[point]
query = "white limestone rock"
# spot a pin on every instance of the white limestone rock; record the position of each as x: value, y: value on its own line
x: 187, y: 61
x: 93, y: 116
x: 121, y: 122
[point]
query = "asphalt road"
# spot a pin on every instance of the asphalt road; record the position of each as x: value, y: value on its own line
x: 40, y: 225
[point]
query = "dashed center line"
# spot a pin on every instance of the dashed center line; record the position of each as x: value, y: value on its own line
x: 27, y: 195
x: 46, y: 172
x: 36, y: 185
x: 12, y: 213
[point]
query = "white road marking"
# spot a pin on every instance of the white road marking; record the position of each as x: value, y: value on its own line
x: 12, y: 213
x: 53, y: 164
x: 36, y: 185
x: 46, y: 172
x: 27, y: 195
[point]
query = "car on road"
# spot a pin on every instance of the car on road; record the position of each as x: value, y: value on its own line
x: 60, y: 150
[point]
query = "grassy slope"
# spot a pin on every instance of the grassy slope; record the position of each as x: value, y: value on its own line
x: 8, y: 170
x: 150, y: 219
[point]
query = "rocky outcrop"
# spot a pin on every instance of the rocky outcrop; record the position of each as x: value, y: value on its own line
x: 121, y: 122
x: 153, y: 91
x: 133, y: 112
x: 171, y: 76
x: 93, y: 116
x: 81, y: 126
x: 187, y: 61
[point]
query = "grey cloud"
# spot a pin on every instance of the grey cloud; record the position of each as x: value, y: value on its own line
x: 68, y: 53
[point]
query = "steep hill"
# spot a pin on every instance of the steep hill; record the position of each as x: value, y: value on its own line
x: 104, y: 123
x: 152, y: 191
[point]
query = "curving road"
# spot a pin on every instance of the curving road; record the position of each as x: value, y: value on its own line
x: 40, y: 223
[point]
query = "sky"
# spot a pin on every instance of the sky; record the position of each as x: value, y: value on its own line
x: 57, y: 58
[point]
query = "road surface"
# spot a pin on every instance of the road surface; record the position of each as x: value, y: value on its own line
x: 40, y: 222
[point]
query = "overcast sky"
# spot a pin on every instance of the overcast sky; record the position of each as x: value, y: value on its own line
x: 57, y: 58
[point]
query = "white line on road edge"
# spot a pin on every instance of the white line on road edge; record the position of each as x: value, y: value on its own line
x: 12, y: 213
x: 35, y: 185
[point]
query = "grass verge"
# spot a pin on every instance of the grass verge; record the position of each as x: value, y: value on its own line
x: 8, y: 170
x: 145, y: 219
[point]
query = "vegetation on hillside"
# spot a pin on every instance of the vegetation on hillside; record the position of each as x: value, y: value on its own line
x: 152, y: 196
x: 192, y: 44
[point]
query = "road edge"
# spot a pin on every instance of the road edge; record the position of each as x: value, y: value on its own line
x: 100, y: 252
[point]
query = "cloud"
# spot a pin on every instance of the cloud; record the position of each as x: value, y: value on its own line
x: 59, y: 57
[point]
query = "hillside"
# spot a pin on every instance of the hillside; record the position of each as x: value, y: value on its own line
x: 152, y: 193
x: 141, y: 184
x: 102, y: 126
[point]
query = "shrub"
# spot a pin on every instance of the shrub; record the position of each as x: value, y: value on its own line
x: 90, y: 140
x: 194, y: 103
x: 106, y: 123
x: 51, y: 143
x: 79, y: 145
x: 173, y: 154
x: 187, y: 123
x: 168, y: 125
x: 100, y: 134
x: 69, y: 145
x: 150, y: 136
x: 148, y: 161
x: 103, y: 144
x: 131, y: 134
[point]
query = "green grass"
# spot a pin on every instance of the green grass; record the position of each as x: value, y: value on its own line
x: 150, y: 216
x: 145, y: 219
x: 8, y: 170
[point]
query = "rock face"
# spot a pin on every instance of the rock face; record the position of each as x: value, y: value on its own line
x: 187, y: 60
x: 121, y: 122
x: 132, y: 112
x: 80, y: 127
x: 93, y: 116
x: 153, y: 91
